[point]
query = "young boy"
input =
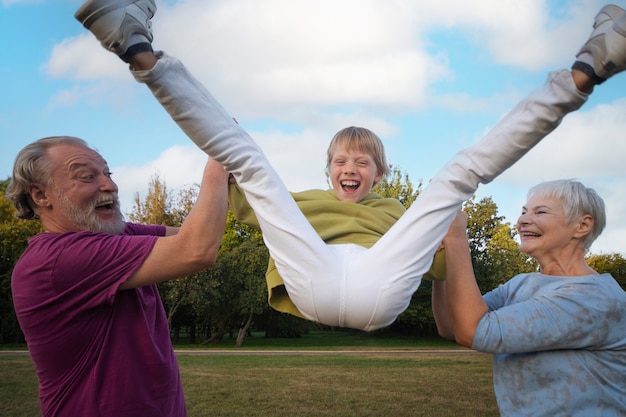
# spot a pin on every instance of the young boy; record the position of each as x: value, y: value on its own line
x: 356, y: 162
x: 345, y: 284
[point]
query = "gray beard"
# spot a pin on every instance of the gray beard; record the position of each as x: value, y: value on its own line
x: 89, y: 220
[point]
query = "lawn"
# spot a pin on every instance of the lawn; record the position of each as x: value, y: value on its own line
x: 377, y: 377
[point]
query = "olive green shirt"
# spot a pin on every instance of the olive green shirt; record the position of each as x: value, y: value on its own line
x: 337, y: 222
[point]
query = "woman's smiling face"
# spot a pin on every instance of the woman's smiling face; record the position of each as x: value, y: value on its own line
x: 543, y: 227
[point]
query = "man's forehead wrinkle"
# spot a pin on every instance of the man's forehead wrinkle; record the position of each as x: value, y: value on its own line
x: 80, y: 160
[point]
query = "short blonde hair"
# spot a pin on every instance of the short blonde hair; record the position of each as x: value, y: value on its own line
x: 363, y: 140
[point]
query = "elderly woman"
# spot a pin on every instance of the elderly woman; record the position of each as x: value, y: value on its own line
x: 558, y: 335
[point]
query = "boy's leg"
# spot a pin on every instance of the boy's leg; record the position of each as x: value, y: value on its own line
x: 406, y: 251
x: 409, y: 246
x: 298, y: 250
x: 300, y: 254
x: 397, y: 262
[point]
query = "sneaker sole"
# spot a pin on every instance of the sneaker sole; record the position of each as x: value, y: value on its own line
x: 601, y: 48
x: 94, y: 9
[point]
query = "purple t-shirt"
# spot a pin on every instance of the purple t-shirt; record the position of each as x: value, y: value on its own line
x: 97, y: 351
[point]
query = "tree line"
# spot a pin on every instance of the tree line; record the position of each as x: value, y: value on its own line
x: 230, y: 298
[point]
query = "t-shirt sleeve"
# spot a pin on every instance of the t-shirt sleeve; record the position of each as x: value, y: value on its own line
x: 90, y: 267
x: 564, y: 316
x: 144, y: 229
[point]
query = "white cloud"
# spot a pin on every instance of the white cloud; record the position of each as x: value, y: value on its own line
x: 298, y: 158
x: 80, y: 59
x: 178, y: 167
x: 328, y: 64
x: 584, y: 146
x: 523, y: 34
x: 265, y: 59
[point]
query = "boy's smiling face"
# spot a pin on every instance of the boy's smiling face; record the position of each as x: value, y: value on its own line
x: 352, y: 173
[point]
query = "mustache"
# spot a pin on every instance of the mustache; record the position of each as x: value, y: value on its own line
x: 107, y: 199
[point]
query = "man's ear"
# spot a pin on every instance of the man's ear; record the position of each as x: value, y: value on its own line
x: 39, y: 194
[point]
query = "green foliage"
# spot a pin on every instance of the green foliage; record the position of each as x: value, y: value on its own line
x: 238, y: 289
x: 398, y: 185
x: 219, y: 298
x: 612, y: 263
x: 160, y: 207
x: 282, y: 325
x: 495, y: 253
x: 14, y: 235
x: 417, y: 319
x: 495, y: 256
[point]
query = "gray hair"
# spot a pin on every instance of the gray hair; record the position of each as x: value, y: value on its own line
x: 578, y: 201
x: 32, y: 165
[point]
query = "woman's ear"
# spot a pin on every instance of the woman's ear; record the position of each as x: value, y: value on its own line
x: 585, y: 226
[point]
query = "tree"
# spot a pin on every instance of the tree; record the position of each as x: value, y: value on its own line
x: 236, y: 284
x: 218, y: 299
x: 161, y: 207
x: 612, y: 263
x: 495, y: 253
x: 417, y: 319
x: 398, y: 185
x: 495, y: 256
x: 14, y: 235
x: 247, y: 263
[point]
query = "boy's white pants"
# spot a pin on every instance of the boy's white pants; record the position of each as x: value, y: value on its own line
x: 347, y: 285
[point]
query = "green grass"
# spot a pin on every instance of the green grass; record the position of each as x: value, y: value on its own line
x: 18, y: 387
x: 331, y: 340
x: 339, y: 385
x: 315, y: 384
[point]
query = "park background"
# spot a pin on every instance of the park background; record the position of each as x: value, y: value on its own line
x: 428, y: 78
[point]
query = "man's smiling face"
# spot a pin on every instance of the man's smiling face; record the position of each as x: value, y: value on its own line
x: 82, y: 195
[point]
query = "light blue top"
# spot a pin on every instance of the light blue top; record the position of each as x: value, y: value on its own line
x: 559, y: 345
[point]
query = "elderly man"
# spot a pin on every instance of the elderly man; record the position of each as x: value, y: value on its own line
x: 85, y: 290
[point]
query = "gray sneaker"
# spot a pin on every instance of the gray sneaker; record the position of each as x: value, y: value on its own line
x: 114, y: 21
x: 604, y: 54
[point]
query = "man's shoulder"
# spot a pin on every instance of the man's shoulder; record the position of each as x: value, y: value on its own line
x: 132, y: 229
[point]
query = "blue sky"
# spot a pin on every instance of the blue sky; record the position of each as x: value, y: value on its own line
x: 428, y: 77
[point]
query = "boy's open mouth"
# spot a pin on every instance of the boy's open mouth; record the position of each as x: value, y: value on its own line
x: 350, y: 185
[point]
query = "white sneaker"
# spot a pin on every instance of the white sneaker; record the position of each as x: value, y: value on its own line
x: 604, y: 54
x: 114, y: 21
